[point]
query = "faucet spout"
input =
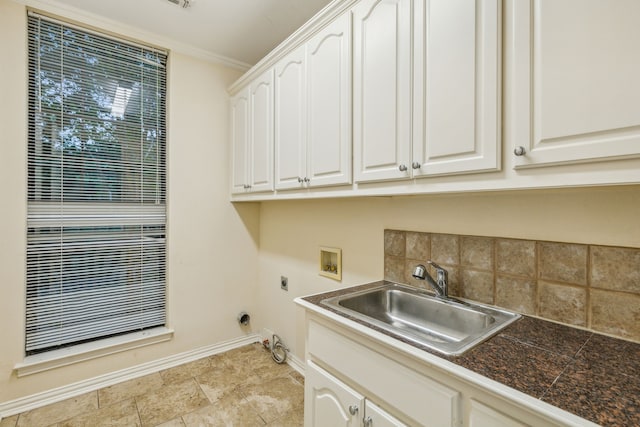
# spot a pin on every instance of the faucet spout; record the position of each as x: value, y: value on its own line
x: 440, y: 284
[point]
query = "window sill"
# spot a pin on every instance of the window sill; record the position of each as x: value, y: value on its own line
x: 82, y: 352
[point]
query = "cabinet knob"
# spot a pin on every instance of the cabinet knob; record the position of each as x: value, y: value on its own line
x: 300, y: 180
x: 519, y: 151
x: 353, y: 409
x: 307, y: 179
x: 416, y: 165
x: 402, y: 168
x: 367, y: 421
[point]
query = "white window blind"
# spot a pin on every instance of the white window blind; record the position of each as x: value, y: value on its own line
x: 96, y: 186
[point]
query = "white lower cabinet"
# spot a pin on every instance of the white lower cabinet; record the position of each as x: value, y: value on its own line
x: 330, y: 402
x: 409, y: 397
x: 355, y: 380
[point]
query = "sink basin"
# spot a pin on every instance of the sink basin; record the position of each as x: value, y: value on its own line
x: 449, y: 326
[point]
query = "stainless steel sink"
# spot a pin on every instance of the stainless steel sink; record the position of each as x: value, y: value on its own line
x: 446, y: 325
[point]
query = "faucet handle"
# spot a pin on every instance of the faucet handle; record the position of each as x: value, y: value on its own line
x: 442, y: 276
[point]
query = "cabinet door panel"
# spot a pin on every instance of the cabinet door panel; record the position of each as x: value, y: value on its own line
x: 382, y: 89
x: 327, y: 400
x: 457, y: 86
x: 576, y: 80
x: 290, y: 120
x: 261, y: 125
x: 481, y: 415
x: 329, y: 106
x: 239, y: 141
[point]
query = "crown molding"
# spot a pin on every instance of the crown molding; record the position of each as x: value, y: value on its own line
x: 97, y: 22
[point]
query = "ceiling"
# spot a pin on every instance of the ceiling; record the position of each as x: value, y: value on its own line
x: 242, y: 30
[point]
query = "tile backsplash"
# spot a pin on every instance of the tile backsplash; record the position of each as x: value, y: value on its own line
x: 594, y: 287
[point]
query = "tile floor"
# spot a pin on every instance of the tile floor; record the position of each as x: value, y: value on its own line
x: 242, y: 387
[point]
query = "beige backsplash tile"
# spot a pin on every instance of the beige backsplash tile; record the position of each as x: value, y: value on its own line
x: 417, y: 246
x: 518, y: 294
x: 516, y: 257
x: 563, y: 262
x: 477, y: 252
x: 394, y: 268
x: 566, y: 304
x: 616, y: 313
x: 615, y: 268
x: 445, y: 249
x: 477, y: 285
x: 597, y: 287
x: 394, y: 243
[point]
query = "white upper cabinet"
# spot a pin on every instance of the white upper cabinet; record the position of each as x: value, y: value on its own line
x: 443, y: 115
x: 329, y: 104
x: 382, y: 89
x: 312, y: 111
x: 290, y: 120
x: 576, y: 81
x: 261, y: 133
x: 457, y: 63
x: 239, y: 141
x: 252, y: 136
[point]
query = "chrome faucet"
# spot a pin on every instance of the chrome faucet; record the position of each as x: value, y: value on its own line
x: 440, y: 285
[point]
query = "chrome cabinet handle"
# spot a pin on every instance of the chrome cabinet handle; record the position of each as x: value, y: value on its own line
x: 353, y: 409
x: 307, y: 179
x: 368, y: 422
x: 300, y: 180
x: 519, y: 151
x: 416, y: 165
x: 402, y: 168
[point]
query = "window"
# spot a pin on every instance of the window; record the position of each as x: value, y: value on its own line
x: 96, y: 190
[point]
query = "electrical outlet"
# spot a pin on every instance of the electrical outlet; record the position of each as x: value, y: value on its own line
x: 284, y: 283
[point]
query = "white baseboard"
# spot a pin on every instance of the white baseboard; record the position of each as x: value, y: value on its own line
x: 48, y: 397
x: 296, y: 363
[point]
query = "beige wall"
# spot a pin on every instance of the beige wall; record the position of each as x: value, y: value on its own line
x: 290, y: 233
x: 212, y: 245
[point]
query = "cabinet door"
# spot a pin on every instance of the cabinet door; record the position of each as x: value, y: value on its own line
x: 329, y: 104
x: 575, y: 70
x: 290, y: 120
x: 457, y: 86
x: 382, y: 89
x: 239, y: 141
x: 261, y: 133
x: 481, y: 415
x: 375, y: 416
x: 329, y: 402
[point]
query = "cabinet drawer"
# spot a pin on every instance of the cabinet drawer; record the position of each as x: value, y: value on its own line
x: 422, y: 399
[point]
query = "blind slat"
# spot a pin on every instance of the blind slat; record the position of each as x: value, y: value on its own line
x: 96, y: 217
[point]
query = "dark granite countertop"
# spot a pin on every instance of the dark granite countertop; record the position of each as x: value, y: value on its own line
x: 590, y: 375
